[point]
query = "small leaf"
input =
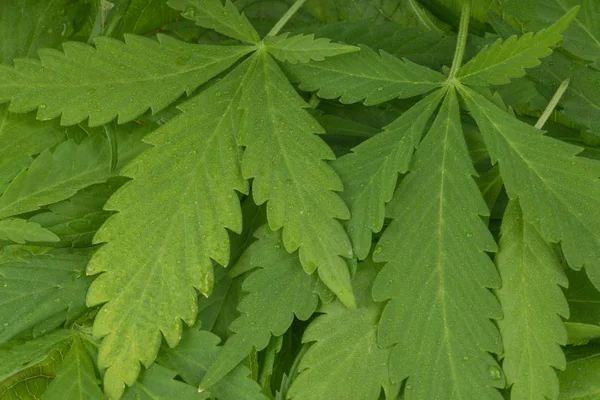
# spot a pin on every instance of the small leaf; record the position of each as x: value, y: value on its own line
x: 304, y: 48
x: 21, y: 231
x: 158, y: 384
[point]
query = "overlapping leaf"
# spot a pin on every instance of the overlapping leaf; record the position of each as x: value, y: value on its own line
x: 532, y: 301
x: 503, y: 60
x: 194, y: 356
x: 34, y: 288
x: 287, y: 162
x: 75, y: 378
x: 304, y: 48
x: 345, y: 351
x: 437, y: 274
x: 21, y: 231
x: 223, y: 18
x: 558, y: 191
x: 365, y: 75
x: 158, y: 383
x: 151, y: 288
x: 113, y: 79
x: 278, y: 291
x: 581, y: 379
x: 370, y: 172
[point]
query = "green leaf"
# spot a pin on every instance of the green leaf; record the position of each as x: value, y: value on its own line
x: 346, y: 361
x: 19, y: 355
x: 370, y: 172
x: 212, y: 14
x: 21, y: 231
x: 137, y: 16
x: 304, y: 48
x: 532, y: 301
x: 437, y: 273
x: 194, y: 356
x: 150, y: 288
x: 35, y: 287
x: 557, y: 190
x: 498, y: 63
x: 277, y: 291
x: 57, y: 175
x: 75, y: 378
x: 583, y: 36
x: 365, y: 76
x: 40, y: 24
x: 157, y: 383
x: 583, y: 298
x: 581, y: 379
x: 286, y: 161
x: 112, y: 79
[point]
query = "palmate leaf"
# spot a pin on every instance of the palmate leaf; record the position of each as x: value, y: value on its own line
x: 34, y: 288
x: 498, y: 63
x: 346, y: 361
x: 287, y: 162
x: 194, y: 356
x: 278, y: 291
x: 150, y: 288
x: 557, y: 190
x: 113, y: 79
x: 304, y: 48
x: 20, y: 231
x: 366, y: 75
x: 76, y: 377
x: 532, y: 301
x: 158, y: 383
x: 223, y: 18
x: 370, y: 172
x: 583, y: 36
x: 437, y: 274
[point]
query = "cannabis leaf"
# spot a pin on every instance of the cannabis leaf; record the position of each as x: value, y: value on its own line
x: 285, y: 159
x: 194, y: 356
x: 20, y: 231
x: 346, y: 350
x: 501, y: 61
x: 532, y: 301
x: 277, y: 291
x: 113, y: 79
x: 370, y: 172
x: 158, y: 383
x: 223, y: 18
x: 365, y: 75
x: 36, y: 287
x: 437, y: 273
x: 76, y: 377
x: 304, y: 48
x: 556, y: 188
x: 162, y: 275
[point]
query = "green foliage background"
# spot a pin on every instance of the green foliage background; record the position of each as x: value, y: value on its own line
x: 278, y: 199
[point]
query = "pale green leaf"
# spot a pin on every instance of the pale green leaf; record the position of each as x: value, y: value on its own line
x: 437, y: 273
x: 194, y: 356
x: 345, y: 362
x: 113, y: 79
x: 583, y: 36
x: 304, y: 48
x: 557, y: 190
x: 370, y: 172
x: 287, y: 162
x: 57, y: 175
x: 157, y: 383
x: 19, y: 355
x: 151, y: 288
x: 34, y: 288
x: 532, y: 300
x: 75, y: 378
x: 223, y: 18
x: 20, y: 231
x: 503, y: 60
x: 278, y: 291
x: 365, y: 76
x: 581, y: 379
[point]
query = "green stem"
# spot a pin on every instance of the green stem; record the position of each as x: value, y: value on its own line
x: 461, y: 41
x: 552, y: 105
x: 286, y: 17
